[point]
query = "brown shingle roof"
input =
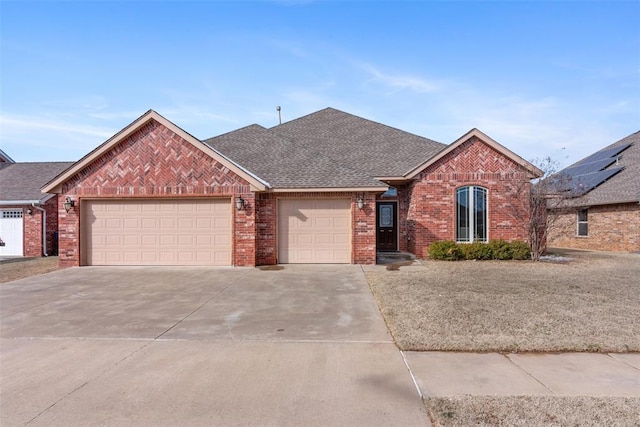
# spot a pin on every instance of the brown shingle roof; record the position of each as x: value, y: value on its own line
x: 623, y: 187
x: 325, y: 149
x: 22, y: 181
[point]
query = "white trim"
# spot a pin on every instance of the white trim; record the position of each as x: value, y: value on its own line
x: 19, y: 202
x: 6, y: 157
x: 470, y: 217
x: 578, y: 222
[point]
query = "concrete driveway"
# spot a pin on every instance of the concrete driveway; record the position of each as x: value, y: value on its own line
x: 200, y: 346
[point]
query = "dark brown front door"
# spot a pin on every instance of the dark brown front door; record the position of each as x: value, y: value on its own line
x: 387, y: 233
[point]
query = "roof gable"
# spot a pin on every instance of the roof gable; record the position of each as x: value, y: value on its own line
x: 533, y: 170
x: 54, y: 186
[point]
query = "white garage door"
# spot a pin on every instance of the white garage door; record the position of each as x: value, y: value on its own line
x: 157, y: 232
x: 11, y: 232
x: 314, y: 231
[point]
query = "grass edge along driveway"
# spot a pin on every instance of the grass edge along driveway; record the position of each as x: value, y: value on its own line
x: 590, y: 303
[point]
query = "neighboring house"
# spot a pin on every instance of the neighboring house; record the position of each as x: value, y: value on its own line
x: 604, y: 213
x: 329, y: 187
x: 28, y: 217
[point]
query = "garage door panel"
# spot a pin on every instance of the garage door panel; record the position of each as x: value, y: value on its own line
x: 157, y: 232
x: 314, y: 231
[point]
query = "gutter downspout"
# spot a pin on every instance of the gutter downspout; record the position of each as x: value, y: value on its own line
x: 44, y: 228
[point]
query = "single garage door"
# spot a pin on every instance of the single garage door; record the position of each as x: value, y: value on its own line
x: 157, y: 232
x: 11, y: 232
x: 314, y: 231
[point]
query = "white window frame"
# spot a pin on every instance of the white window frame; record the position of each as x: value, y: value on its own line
x: 584, y: 222
x: 471, y: 210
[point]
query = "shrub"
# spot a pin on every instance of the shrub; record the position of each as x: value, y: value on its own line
x: 500, y: 249
x: 445, y: 250
x: 496, y: 249
x: 520, y: 250
x: 476, y: 250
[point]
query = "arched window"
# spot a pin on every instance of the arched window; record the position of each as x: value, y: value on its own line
x: 471, y: 214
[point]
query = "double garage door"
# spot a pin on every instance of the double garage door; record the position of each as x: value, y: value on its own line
x: 199, y: 231
x: 157, y: 232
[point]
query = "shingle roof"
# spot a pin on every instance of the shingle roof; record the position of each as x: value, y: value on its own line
x: 623, y: 187
x: 326, y: 149
x: 22, y: 181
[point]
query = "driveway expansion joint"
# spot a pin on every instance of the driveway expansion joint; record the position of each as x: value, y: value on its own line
x: 233, y: 282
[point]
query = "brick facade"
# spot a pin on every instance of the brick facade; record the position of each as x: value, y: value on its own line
x: 155, y: 162
x: 430, y: 215
x: 363, y: 225
x: 610, y: 228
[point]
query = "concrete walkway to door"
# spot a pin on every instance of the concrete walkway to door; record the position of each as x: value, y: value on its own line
x: 301, y: 345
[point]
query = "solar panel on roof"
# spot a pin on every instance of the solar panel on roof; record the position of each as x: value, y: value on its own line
x: 590, y: 167
x: 582, y: 184
x: 605, y: 154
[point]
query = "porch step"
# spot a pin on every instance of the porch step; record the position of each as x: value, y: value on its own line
x: 393, y: 257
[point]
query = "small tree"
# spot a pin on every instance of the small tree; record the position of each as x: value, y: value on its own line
x: 545, y: 203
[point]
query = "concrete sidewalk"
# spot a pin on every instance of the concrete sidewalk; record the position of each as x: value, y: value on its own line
x: 440, y: 374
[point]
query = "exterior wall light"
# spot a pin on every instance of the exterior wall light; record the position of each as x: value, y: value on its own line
x: 360, y: 203
x: 29, y: 211
x: 239, y: 203
x: 68, y: 204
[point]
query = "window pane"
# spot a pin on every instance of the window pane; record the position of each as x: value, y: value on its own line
x: 583, y: 229
x: 582, y: 215
x: 386, y: 216
x: 462, y: 215
x: 480, y: 214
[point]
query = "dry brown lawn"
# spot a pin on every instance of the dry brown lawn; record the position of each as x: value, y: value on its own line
x: 533, y: 411
x: 590, y: 303
x: 21, y: 268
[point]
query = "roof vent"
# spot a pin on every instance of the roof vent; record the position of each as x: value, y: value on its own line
x: 279, y: 115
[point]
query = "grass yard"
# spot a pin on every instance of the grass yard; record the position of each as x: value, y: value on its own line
x: 533, y: 411
x: 590, y: 303
x: 19, y: 268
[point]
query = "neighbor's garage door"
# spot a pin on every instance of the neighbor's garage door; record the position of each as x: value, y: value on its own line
x: 157, y: 232
x: 314, y: 231
x: 11, y: 232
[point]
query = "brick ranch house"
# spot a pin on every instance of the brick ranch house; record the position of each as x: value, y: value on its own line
x: 28, y: 217
x: 605, y: 215
x: 329, y: 187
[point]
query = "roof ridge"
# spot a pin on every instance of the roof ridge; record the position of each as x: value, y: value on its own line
x: 358, y: 117
x: 234, y: 131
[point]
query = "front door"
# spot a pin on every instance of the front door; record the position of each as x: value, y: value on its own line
x: 387, y: 231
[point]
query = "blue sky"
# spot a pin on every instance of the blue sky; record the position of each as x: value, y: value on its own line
x: 559, y: 79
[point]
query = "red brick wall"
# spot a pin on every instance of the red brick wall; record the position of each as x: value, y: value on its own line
x: 363, y: 225
x: 154, y: 162
x: 33, y: 228
x: 611, y: 228
x: 51, y: 206
x: 32, y: 238
x: 431, y: 212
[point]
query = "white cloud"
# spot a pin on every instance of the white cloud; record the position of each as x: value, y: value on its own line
x: 401, y: 81
x: 21, y: 125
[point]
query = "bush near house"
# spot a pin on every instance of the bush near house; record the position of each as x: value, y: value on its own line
x: 445, y: 250
x: 495, y: 250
